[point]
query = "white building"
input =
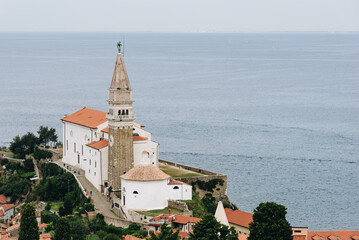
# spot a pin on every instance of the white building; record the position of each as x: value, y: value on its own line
x: 107, y: 145
x: 146, y: 187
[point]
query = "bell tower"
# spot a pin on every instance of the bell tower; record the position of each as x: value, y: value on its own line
x: 120, y: 121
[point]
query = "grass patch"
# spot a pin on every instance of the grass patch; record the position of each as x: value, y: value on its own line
x: 178, y: 172
x: 56, y: 205
x: 196, y: 205
x: 7, y: 154
x: 156, y: 212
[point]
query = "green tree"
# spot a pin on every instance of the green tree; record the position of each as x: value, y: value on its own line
x: 29, y: 229
x: 21, y: 146
x: 28, y: 165
x: 111, y: 236
x: 47, y: 135
x: 165, y: 234
x: 269, y: 223
x: 210, y: 228
x: 62, y: 211
x: 68, y: 205
x: 62, y: 231
x: 79, y: 229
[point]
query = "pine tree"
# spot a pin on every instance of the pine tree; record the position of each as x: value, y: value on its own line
x: 29, y: 229
x: 62, y: 231
x: 269, y: 223
x: 210, y: 228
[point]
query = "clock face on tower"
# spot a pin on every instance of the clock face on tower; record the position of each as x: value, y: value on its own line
x: 111, y: 140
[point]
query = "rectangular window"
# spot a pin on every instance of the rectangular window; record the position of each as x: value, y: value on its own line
x: 74, y: 147
x: 67, y: 144
x: 94, y: 173
x: 90, y: 161
x: 89, y: 171
x: 95, y: 164
x: 82, y: 150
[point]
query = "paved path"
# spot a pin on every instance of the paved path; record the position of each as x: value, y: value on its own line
x: 99, y: 200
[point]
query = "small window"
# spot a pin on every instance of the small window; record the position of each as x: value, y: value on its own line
x: 89, y: 171
x: 74, y: 147
x: 82, y: 150
x: 94, y: 173
x: 175, y: 187
x: 135, y: 192
x: 90, y: 162
x: 126, y: 111
x: 67, y: 144
x: 95, y: 164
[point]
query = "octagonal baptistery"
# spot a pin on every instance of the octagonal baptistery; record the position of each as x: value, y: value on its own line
x: 144, y: 187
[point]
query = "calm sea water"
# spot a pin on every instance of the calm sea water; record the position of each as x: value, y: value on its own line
x: 277, y: 113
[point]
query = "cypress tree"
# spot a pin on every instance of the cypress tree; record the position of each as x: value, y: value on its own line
x: 29, y: 229
x: 62, y: 231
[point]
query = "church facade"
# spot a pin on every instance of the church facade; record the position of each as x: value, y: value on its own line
x: 107, y: 146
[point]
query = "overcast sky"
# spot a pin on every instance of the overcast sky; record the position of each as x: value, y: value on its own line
x: 179, y: 15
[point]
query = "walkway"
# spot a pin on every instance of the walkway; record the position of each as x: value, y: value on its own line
x: 98, y: 199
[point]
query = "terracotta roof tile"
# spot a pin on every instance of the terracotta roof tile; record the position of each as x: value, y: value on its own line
x: 7, y: 206
x: 2, y: 199
x: 176, y: 182
x: 13, y: 227
x: 98, y: 144
x: 145, y: 173
x: 185, y: 219
x: 1, y: 213
x: 45, y: 236
x: 42, y: 225
x: 238, y: 217
x: 139, y: 138
x: 87, y: 117
x: 105, y: 130
x: 242, y: 236
x: 341, y: 234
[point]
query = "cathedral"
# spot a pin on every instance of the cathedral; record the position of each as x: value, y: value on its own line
x: 114, y: 151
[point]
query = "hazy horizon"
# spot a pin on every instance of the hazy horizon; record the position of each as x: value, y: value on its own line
x: 179, y: 16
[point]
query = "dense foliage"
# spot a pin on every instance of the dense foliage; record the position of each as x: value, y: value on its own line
x: 210, y: 228
x: 17, y: 184
x: 41, y: 154
x: 21, y: 146
x: 47, y: 135
x: 28, y: 227
x: 63, y: 229
x: 269, y: 223
x: 207, y: 185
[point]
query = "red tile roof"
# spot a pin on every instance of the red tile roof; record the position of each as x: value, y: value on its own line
x: 105, y: 130
x: 2, y: 199
x: 13, y: 227
x: 135, y: 138
x: 145, y: 173
x: 238, y: 217
x: 98, y: 144
x: 185, y: 219
x: 42, y: 225
x: 139, y: 138
x: 175, y: 182
x: 45, y: 236
x: 242, y: 236
x: 87, y: 117
x: 341, y: 234
x: 1, y: 213
x: 7, y: 206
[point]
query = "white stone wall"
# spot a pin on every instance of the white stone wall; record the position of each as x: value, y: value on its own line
x: 76, y: 136
x: 180, y: 192
x: 145, y: 152
x: 150, y: 194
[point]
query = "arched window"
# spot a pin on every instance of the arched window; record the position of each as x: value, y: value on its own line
x: 126, y: 111
x: 175, y: 187
x: 119, y: 112
x: 123, y: 112
x: 135, y: 192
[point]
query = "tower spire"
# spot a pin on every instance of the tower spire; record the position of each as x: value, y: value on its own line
x: 120, y: 122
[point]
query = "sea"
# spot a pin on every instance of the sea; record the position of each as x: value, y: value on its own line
x: 277, y: 112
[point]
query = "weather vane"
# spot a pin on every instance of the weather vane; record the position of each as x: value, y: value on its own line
x: 119, y: 45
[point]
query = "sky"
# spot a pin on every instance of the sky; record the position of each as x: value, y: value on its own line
x: 178, y: 15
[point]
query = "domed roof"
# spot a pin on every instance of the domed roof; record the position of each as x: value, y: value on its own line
x: 145, y: 173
